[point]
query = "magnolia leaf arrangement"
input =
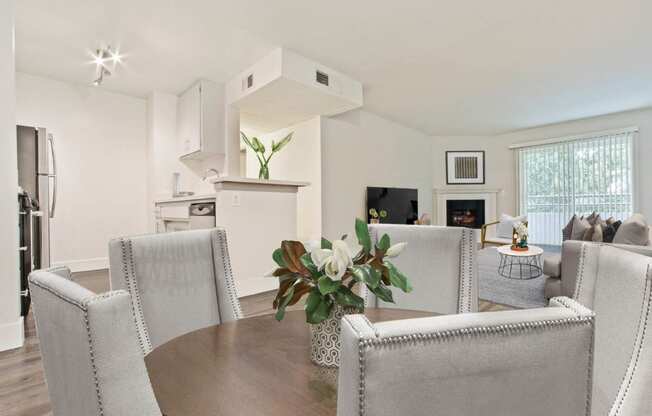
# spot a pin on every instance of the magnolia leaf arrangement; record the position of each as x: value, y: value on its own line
x: 328, y: 275
x: 259, y: 150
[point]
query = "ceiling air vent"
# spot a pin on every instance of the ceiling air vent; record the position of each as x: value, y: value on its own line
x: 321, y: 78
x: 248, y: 82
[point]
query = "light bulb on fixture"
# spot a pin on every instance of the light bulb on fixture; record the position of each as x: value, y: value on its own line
x: 100, y: 59
x: 116, y: 57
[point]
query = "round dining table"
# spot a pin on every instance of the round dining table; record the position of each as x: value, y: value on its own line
x: 254, y: 366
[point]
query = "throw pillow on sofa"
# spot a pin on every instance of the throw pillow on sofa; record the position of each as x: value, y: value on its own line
x: 609, y: 232
x: 634, y: 231
x: 567, y: 231
x: 580, y: 226
x: 505, y: 227
x: 594, y: 234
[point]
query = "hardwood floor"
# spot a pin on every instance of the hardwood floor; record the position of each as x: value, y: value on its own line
x: 22, y: 385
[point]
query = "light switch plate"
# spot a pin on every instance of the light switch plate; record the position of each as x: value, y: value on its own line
x: 235, y: 201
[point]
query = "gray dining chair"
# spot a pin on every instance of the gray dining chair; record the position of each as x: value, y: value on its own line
x: 441, y: 264
x: 90, y: 348
x: 179, y: 282
x: 617, y: 285
x: 532, y: 362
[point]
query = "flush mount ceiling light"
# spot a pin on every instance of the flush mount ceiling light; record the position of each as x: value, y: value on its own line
x: 103, y: 58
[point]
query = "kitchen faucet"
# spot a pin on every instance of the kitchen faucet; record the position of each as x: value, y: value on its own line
x: 209, y: 170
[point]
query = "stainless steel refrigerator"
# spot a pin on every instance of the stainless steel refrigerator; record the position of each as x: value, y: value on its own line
x: 37, y: 197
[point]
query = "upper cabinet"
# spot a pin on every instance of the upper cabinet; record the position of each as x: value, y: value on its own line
x: 200, y: 121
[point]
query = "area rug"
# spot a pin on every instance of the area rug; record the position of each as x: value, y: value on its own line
x: 516, y: 293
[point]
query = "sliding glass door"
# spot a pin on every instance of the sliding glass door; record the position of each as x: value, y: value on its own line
x: 570, y: 177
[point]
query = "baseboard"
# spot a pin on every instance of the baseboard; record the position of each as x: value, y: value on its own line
x: 248, y: 287
x: 84, y: 265
x: 12, y: 335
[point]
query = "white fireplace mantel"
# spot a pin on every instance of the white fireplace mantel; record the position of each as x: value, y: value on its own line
x: 489, y: 195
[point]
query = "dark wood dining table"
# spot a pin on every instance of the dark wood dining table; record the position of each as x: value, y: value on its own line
x: 254, y: 366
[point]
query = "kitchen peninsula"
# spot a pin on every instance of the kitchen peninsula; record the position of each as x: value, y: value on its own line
x: 257, y: 214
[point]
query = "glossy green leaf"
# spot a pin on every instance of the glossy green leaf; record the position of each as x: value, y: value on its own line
x: 313, y: 300
x: 326, y: 244
x: 345, y: 297
x: 322, y: 311
x: 306, y: 260
x: 362, y: 232
x: 277, y: 255
x: 276, y: 147
x: 280, y: 313
x: 397, y: 278
x: 366, y: 274
x: 260, y: 147
x: 383, y: 293
x: 383, y: 243
x: 326, y: 285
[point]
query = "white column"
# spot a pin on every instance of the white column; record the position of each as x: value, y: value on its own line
x: 232, y: 137
x: 11, y: 328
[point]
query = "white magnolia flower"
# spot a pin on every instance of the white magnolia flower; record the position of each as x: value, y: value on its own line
x: 334, y: 262
x: 395, y: 250
x: 521, y: 229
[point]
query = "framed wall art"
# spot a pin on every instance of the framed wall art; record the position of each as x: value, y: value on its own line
x: 465, y: 167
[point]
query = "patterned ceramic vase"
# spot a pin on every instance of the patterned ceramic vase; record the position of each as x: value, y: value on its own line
x: 325, y: 337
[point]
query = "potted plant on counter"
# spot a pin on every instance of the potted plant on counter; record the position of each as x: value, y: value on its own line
x: 259, y: 150
x: 376, y: 216
x: 328, y: 276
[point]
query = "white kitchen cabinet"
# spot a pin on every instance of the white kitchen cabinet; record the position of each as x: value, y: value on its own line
x: 200, y: 121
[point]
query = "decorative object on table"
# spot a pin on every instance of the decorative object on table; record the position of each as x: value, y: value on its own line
x: 423, y: 220
x: 520, y: 237
x: 259, y: 150
x: 504, y: 230
x: 377, y: 215
x: 520, y: 264
x: 465, y: 168
x: 328, y: 275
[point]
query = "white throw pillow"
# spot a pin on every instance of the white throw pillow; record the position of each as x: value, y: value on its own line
x: 505, y: 227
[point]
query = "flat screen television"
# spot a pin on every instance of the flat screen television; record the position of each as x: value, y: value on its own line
x: 401, y: 204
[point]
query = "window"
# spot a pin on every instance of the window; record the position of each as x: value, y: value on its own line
x: 575, y: 176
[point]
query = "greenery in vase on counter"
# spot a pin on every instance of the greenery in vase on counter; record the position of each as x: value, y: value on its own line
x: 327, y: 275
x: 259, y: 150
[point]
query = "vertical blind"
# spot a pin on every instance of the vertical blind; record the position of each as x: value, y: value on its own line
x: 570, y: 177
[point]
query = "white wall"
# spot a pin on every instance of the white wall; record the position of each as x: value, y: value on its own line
x: 11, y: 328
x: 361, y: 149
x: 501, y: 164
x: 299, y: 160
x: 100, y: 140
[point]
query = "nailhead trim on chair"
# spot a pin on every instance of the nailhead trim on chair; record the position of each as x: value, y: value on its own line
x: 228, y: 274
x: 83, y: 306
x: 91, y: 348
x: 365, y: 344
x: 467, y: 266
x: 636, y: 354
x: 129, y: 272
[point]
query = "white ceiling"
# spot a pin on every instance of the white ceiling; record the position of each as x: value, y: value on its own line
x: 444, y: 67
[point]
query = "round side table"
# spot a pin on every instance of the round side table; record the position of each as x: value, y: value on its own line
x: 520, y: 265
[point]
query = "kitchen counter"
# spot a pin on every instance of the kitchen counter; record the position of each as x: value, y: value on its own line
x: 254, y: 181
x: 200, y: 197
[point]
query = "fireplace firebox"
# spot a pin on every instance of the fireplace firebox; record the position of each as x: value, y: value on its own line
x: 465, y: 213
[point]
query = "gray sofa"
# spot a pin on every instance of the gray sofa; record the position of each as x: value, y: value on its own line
x: 562, y: 269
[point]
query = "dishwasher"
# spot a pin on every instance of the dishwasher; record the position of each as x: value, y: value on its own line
x: 202, y: 215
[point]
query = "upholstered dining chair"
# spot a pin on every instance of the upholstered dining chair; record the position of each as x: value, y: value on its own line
x: 441, y: 264
x: 532, y: 362
x: 616, y: 284
x: 91, y: 354
x: 179, y: 282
